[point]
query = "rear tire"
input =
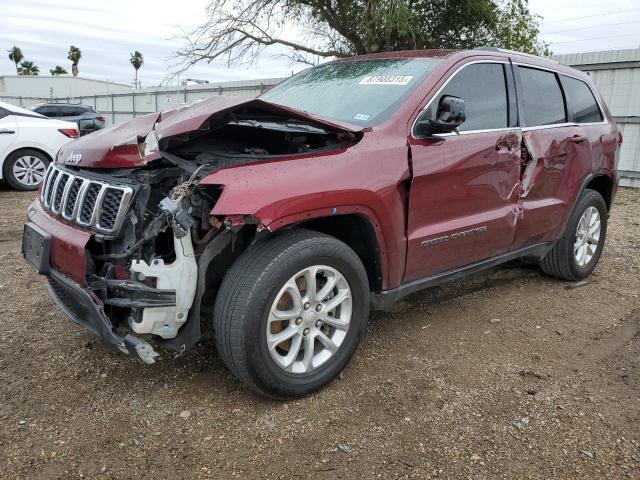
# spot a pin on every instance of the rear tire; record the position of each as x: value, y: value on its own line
x: 24, y: 169
x: 298, y: 275
x: 577, y: 252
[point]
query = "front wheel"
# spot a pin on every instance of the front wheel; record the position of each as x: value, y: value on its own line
x: 577, y: 252
x: 290, y: 313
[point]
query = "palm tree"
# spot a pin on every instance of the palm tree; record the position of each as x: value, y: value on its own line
x: 74, y: 56
x: 15, y: 55
x: 58, y: 71
x: 137, y: 60
x: 28, y: 68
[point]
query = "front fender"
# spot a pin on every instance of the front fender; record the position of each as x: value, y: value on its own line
x: 279, y: 194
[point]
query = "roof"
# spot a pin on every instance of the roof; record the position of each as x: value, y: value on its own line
x: 456, y: 55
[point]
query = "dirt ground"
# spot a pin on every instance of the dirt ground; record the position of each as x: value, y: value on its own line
x: 508, y: 375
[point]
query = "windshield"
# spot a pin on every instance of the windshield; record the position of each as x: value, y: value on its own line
x: 364, y: 92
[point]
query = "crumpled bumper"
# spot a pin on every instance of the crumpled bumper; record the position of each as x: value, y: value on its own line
x: 85, y: 309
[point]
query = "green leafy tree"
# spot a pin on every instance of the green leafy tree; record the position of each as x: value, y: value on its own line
x: 238, y: 31
x: 58, y: 71
x: 16, y: 56
x: 74, y: 55
x: 136, y: 60
x: 28, y: 68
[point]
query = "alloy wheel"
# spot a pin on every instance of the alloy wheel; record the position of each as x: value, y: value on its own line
x: 29, y: 170
x: 587, y: 236
x: 309, y: 319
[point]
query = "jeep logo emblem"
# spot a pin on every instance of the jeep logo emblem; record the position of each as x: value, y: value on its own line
x: 74, y: 157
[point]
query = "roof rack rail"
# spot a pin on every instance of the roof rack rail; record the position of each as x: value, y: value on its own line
x: 489, y: 48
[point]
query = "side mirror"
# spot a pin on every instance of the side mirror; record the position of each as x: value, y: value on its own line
x: 451, y: 115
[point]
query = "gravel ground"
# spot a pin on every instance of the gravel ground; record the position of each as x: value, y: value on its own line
x: 508, y: 375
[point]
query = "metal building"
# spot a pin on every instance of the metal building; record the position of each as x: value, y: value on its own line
x: 59, y: 87
x: 616, y: 74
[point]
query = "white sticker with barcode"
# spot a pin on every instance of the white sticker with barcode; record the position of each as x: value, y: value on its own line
x: 386, y: 80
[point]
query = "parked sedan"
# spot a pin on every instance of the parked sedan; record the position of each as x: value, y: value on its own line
x: 87, y: 119
x: 28, y: 143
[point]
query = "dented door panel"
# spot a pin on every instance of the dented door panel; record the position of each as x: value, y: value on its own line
x: 555, y: 162
x: 463, y: 201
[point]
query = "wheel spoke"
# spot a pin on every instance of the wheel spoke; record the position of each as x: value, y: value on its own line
x: 310, y: 279
x: 328, y: 287
x: 335, y: 301
x: 327, y: 342
x: 276, y: 339
x: 294, y: 349
x: 307, y: 358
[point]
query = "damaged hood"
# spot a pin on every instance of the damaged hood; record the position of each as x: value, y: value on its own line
x: 122, y: 146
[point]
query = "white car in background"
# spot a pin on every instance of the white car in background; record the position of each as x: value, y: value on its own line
x: 28, y: 143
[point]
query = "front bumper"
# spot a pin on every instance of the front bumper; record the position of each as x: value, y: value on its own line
x: 85, y: 309
x: 43, y: 250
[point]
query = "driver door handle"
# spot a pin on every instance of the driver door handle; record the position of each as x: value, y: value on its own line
x: 9, y: 132
x: 578, y: 138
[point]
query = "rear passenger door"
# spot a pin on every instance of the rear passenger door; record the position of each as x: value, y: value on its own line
x: 556, y: 156
x: 464, y: 193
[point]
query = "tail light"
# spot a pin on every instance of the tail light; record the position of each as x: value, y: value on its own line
x: 100, y: 117
x: 69, y: 132
x: 620, y: 137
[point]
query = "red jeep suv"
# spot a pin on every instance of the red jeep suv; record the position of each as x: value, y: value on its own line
x: 274, y: 224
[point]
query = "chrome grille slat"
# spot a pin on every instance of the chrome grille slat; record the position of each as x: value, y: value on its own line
x: 89, y: 203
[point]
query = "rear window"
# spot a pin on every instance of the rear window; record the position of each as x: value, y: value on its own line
x: 581, y: 101
x: 542, y: 97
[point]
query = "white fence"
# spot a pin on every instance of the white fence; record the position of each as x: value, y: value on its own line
x: 120, y: 107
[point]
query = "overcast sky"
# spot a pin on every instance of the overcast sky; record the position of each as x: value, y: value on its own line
x: 107, y: 31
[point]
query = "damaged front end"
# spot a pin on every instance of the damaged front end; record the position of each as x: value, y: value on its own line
x: 154, y: 254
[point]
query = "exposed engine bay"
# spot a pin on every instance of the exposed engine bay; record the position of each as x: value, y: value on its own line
x: 152, y: 225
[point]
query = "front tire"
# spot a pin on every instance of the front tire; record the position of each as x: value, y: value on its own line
x: 290, y: 313
x: 576, y: 254
x: 25, y: 169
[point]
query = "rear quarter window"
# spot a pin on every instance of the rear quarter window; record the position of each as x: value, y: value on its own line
x: 541, y: 97
x: 582, y: 104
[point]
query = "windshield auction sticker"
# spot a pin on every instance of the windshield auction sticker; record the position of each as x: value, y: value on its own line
x: 386, y: 80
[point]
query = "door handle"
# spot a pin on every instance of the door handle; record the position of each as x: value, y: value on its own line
x: 9, y: 132
x: 578, y: 138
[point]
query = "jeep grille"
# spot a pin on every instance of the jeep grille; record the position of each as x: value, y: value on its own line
x: 89, y: 203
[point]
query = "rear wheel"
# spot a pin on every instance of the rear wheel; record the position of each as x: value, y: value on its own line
x: 25, y: 169
x: 290, y: 313
x: 577, y: 252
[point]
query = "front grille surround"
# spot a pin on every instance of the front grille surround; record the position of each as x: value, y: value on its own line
x: 89, y: 203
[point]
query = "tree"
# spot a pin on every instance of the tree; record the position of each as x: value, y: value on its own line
x: 137, y: 60
x: 15, y: 55
x: 238, y: 31
x: 74, y: 55
x: 58, y: 71
x: 28, y: 68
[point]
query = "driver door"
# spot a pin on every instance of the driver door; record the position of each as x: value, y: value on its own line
x: 8, y: 132
x: 465, y: 189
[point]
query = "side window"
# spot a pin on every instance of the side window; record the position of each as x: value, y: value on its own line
x: 482, y: 86
x: 48, y: 111
x: 542, y: 97
x: 3, y: 113
x: 581, y: 100
x: 72, y: 111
